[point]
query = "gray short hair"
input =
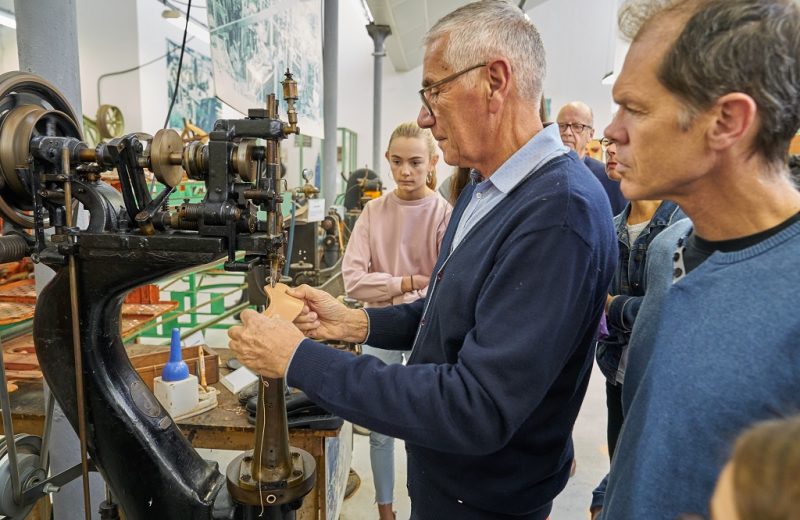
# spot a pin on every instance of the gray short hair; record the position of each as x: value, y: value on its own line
x: 483, y: 30
x: 747, y: 46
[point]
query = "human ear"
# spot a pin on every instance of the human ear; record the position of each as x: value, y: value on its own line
x: 733, y: 119
x: 499, y: 72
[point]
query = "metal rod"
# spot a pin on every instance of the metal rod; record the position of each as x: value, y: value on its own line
x: 76, y: 343
x: 16, y: 331
x: 230, y: 312
x: 87, y: 155
x: 50, y: 405
x: 330, y: 78
x: 52, y: 484
x: 378, y: 33
x: 274, y: 219
x: 8, y: 429
x: 44, y: 457
x: 185, y: 311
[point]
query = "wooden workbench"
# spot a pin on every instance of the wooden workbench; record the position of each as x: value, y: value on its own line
x: 226, y: 427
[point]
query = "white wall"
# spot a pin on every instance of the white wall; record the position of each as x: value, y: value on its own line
x: 108, y: 47
x: 399, y: 96
x: 8, y: 50
x: 153, y: 30
x: 579, y: 39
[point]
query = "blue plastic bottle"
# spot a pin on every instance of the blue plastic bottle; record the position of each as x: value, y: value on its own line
x: 175, y: 369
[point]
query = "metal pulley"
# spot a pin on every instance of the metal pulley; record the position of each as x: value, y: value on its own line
x: 30, y: 107
x: 28, y: 459
x: 18, y: 128
x: 110, y: 122
x: 243, y: 162
x: 195, y: 160
x: 166, y: 155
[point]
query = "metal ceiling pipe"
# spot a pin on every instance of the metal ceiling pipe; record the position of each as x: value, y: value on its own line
x: 378, y: 33
x: 36, y: 41
x: 330, y: 81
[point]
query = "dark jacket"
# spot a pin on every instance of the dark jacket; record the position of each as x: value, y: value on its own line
x: 502, y: 351
x: 628, y: 284
x: 612, y: 189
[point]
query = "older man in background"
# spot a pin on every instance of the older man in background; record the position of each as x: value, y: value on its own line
x: 576, y: 125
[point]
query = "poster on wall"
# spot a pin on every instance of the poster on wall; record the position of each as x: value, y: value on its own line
x: 253, y: 42
x: 196, y: 100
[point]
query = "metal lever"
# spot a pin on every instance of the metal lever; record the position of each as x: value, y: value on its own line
x: 8, y: 428
x: 144, y: 219
x: 76, y: 342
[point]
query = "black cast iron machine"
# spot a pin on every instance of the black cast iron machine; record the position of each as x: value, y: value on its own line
x: 133, y: 238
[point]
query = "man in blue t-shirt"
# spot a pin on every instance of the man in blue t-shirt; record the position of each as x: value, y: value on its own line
x: 708, y: 104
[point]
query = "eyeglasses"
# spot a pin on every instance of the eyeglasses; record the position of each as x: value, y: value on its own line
x: 577, y: 128
x: 441, y: 82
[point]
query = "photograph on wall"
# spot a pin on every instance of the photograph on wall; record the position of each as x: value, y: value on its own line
x: 196, y: 101
x: 253, y: 42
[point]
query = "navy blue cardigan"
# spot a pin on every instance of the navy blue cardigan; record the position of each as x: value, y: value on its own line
x: 501, y: 351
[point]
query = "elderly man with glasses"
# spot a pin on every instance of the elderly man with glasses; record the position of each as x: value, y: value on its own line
x: 576, y: 126
x: 502, y: 345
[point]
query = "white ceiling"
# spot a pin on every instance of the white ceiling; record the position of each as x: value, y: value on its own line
x: 409, y: 21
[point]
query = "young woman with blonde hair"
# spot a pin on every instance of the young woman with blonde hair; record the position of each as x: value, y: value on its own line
x: 390, y: 257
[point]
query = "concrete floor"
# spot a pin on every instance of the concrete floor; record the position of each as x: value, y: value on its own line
x: 572, y: 504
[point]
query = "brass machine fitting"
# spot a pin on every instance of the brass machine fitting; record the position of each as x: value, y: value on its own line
x: 290, y: 96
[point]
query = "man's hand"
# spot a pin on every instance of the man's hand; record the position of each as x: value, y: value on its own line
x: 324, y: 317
x: 265, y: 345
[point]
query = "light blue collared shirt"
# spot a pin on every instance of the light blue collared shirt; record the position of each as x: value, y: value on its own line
x: 542, y: 147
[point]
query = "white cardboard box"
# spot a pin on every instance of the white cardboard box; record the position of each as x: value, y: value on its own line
x: 239, y: 379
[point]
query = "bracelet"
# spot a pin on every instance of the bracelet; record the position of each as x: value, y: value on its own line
x: 412, y: 282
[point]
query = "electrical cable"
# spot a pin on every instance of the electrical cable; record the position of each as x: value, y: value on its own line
x: 137, y: 67
x: 184, y: 3
x: 180, y: 64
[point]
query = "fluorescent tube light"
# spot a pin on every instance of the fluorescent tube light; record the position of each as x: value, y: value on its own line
x: 8, y: 19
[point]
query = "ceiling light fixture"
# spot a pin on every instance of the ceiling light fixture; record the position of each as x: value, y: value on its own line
x: 171, y: 13
x: 195, y: 29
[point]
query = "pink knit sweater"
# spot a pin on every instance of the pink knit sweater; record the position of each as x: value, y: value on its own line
x: 393, y: 238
